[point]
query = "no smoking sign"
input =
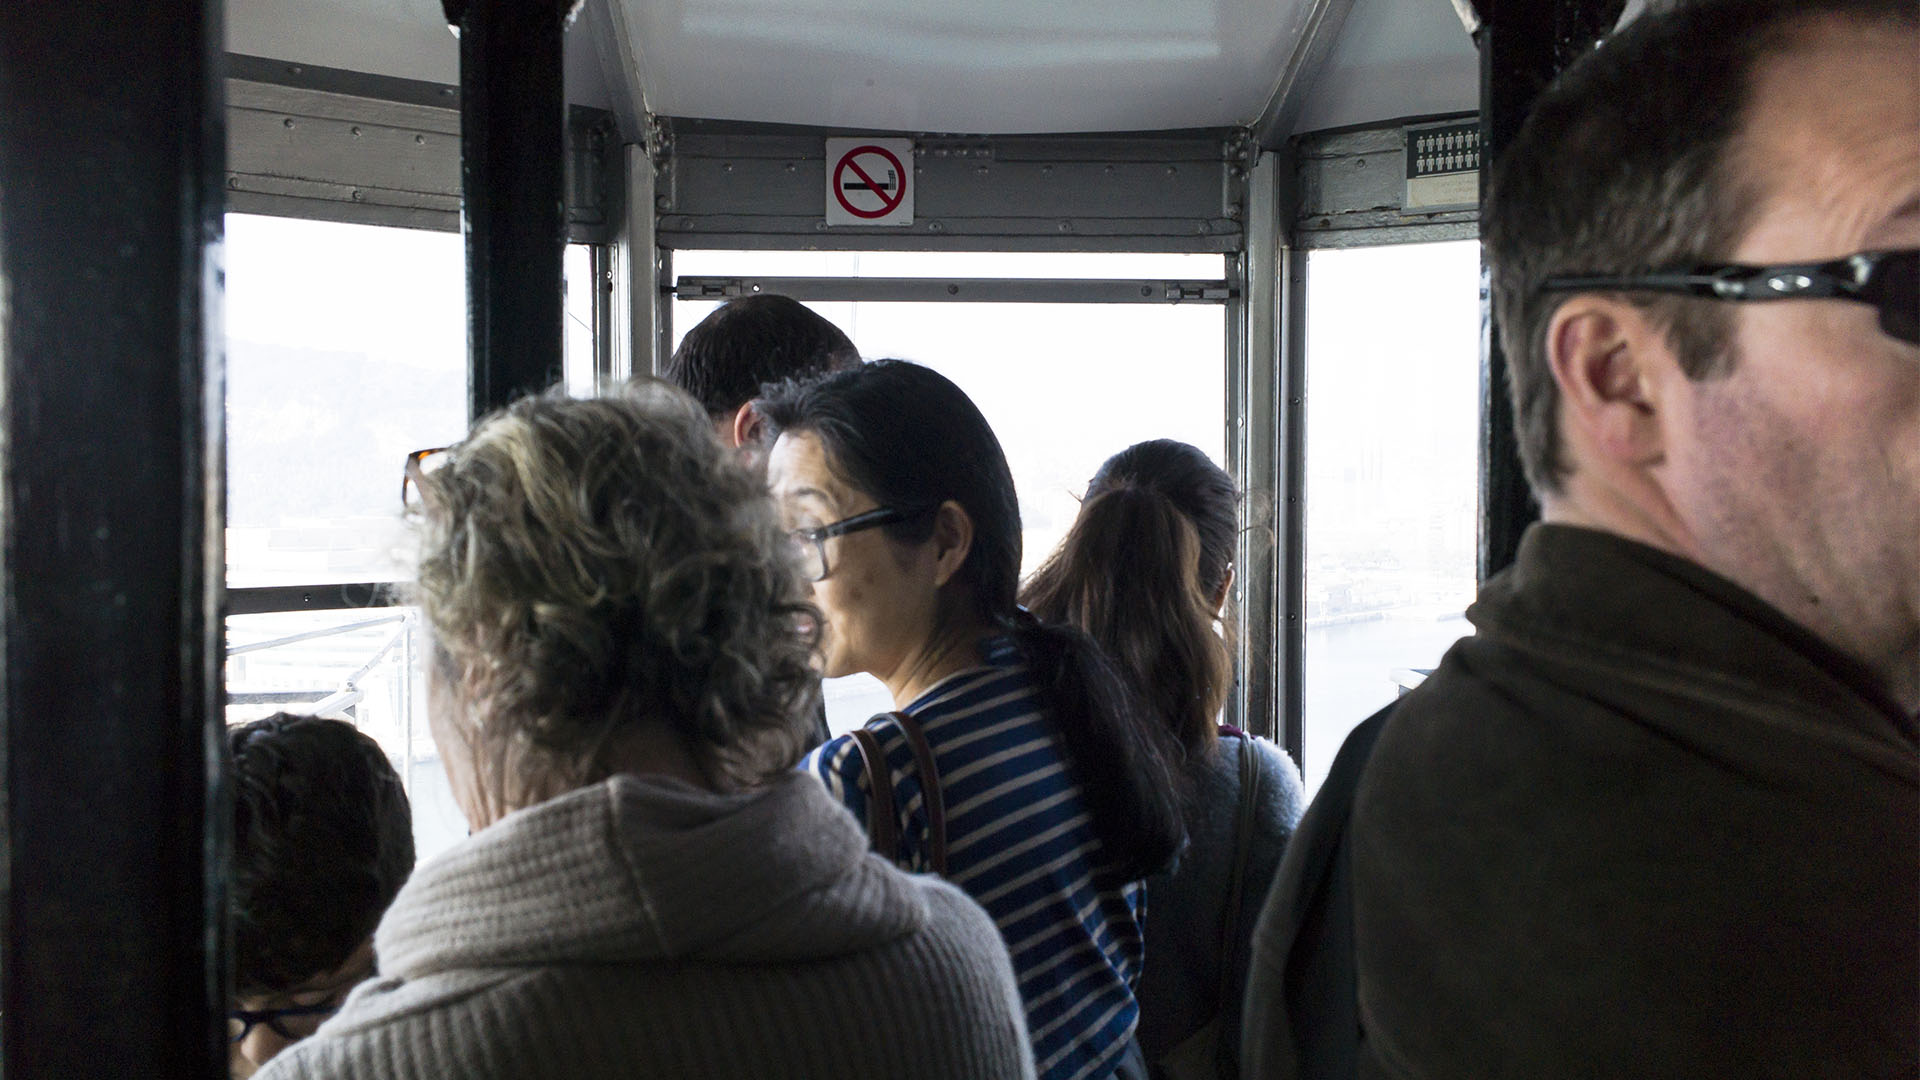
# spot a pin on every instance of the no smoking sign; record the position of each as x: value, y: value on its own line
x: 870, y: 181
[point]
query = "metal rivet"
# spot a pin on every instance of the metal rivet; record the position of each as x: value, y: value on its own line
x: 355, y: 130
x: 233, y: 181
x: 419, y: 140
x: 288, y: 122
x: 790, y: 166
x: 1066, y: 226
x: 953, y: 290
x: 662, y: 202
x: 934, y: 226
x: 1108, y: 170
x: 1171, y: 170
x: 981, y: 169
x: 1359, y: 163
x: 819, y: 226
x: 726, y: 166
x: 1046, y: 170
x: 1146, y: 290
x: 356, y: 195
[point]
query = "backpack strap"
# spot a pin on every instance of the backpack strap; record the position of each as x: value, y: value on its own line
x: 883, y: 827
x: 1227, y: 1056
x: 931, y: 797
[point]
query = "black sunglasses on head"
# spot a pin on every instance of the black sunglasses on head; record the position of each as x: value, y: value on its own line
x: 1889, y: 280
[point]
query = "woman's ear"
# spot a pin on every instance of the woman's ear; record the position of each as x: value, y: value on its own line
x: 1219, y: 598
x: 952, y: 541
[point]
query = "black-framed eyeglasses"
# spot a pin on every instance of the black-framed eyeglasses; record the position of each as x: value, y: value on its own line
x: 419, y: 464
x: 1889, y: 280
x: 241, y: 1022
x: 810, y: 545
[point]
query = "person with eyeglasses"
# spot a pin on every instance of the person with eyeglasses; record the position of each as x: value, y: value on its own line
x: 1020, y: 765
x: 1660, y: 816
x: 619, y: 684
x: 322, y: 841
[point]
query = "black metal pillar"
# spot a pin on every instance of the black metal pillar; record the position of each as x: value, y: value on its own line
x: 1523, y: 45
x: 513, y: 204
x: 112, y: 144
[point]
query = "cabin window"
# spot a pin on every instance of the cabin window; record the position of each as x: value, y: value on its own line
x: 1065, y: 385
x: 1393, y: 418
x: 346, y: 348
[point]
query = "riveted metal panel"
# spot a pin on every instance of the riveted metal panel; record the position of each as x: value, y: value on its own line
x: 1352, y: 187
x: 327, y: 145
x: 745, y: 186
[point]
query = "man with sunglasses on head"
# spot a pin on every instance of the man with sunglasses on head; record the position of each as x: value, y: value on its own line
x: 322, y: 841
x: 1660, y: 817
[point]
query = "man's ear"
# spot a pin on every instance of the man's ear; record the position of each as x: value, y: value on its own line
x: 748, y: 426
x: 952, y: 541
x: 1607, y: 357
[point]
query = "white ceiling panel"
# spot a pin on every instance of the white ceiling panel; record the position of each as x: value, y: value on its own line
x: 405, y: 39
x: 1394, y: 58
x: 987, y: 66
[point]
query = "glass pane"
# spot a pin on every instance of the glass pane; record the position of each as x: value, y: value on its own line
x: 1392, y: 472
x: 579, y: 360
x: 346, y: 348
x: 1065, y: 386
x: 361, y: 666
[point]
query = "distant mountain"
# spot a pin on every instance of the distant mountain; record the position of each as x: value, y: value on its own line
x: 316, y: 434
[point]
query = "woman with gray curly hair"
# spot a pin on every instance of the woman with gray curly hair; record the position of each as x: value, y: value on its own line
x: 619, y: 687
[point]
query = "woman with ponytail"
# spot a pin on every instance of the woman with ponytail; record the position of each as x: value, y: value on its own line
x: 1145, y: 570
x: 1020, y: 765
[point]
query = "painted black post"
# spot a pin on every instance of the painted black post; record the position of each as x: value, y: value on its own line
x: 513, y: 204
x: 1523, y: 45
x: 112, y: 146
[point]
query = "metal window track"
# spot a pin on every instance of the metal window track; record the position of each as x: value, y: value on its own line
x: 976, y: 290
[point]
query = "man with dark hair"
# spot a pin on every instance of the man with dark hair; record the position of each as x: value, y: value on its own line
x: 322, y: 840
x: 1661, y: 816
x: 725, y: 359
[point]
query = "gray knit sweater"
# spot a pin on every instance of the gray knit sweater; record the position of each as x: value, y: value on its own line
x: 640, y: 928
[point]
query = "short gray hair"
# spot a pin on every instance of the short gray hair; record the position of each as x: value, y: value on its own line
x: 591, y: 566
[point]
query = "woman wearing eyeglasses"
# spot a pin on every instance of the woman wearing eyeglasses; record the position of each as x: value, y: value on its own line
x: 1019, y: 765
x: 620, y: 685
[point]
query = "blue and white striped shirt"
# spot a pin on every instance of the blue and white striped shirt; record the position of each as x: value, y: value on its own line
x: 1021, y: 842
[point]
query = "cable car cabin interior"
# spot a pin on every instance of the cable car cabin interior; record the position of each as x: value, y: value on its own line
x: 256, y: 251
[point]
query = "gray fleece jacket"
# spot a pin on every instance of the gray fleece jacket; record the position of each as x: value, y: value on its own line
x: 641, y: 928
